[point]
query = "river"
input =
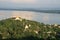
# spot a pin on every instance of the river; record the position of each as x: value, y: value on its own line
x: 47, y: 18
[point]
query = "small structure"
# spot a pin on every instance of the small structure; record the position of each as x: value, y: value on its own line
x: 18, y: 18
x: 55, y: 25
x: 58, y: 26
x: 26, y: 27
x: 36, y: 31
x: 29, y: 25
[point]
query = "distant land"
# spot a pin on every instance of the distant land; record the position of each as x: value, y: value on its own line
x: 34, y: 10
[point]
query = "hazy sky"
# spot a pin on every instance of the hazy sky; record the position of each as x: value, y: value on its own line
x: 30, y: 4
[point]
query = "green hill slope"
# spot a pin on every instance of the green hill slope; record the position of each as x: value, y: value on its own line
x: 18, y: 28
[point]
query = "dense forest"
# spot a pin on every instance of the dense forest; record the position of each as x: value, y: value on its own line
x: 22, y: 29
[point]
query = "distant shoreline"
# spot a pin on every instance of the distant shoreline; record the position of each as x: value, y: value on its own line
x: 35, y: 10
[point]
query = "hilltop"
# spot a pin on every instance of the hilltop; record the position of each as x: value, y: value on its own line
x: 22, y: 29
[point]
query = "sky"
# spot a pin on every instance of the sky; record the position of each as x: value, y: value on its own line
x: 51, y: 4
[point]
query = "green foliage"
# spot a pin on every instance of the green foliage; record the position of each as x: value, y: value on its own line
x: 11, y: 28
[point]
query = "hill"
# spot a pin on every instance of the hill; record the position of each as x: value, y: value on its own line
x: 17, y: 28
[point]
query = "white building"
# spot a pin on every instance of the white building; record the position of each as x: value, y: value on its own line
x: 55, y: 25
x: 26, y: 27
x: 18, y: 18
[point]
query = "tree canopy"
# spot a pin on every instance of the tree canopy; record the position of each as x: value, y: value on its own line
x: 24, y: 29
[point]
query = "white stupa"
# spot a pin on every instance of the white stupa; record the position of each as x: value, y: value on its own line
x: 55, y: 25
x: 58, y: 26
x: 26, y: 27
x: 29, y: 25
x: 18, y: 18
x: 36, y: 31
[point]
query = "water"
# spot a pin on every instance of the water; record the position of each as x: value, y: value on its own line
x: 47, y: 18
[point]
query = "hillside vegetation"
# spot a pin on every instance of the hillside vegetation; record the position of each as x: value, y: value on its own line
x: 22, y: 29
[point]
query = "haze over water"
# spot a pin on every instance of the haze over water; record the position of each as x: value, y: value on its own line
x: 47, y: 18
